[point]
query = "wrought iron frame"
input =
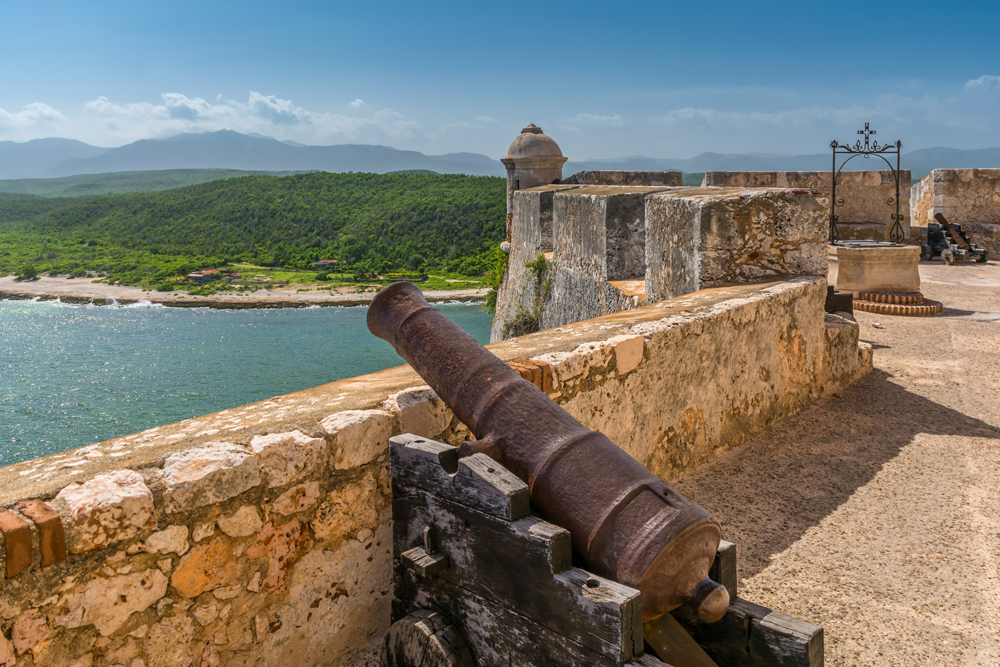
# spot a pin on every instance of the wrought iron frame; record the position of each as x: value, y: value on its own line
x: 868, y: 149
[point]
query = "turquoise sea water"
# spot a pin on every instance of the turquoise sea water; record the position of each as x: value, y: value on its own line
x: 71, y: 375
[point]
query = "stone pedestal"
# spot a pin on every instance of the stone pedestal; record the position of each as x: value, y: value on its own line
x: 884, y: 277
x: 873, y: 267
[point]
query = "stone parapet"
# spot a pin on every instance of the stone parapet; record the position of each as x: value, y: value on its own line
x: 262, y: 533
x: 868, y: 196
x: 673, y: 240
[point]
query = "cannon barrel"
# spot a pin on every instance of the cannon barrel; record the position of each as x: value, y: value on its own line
x: 626, y: 523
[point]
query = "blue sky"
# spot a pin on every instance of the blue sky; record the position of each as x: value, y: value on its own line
x: 604, y: 79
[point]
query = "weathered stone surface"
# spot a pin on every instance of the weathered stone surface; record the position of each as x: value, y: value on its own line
x: 7, y: 656
x: 286, y: 457
x: 207, y: 475
x: 244, y: 522
x: 203, y: 530
x: 419, y: 411
x: 210, y: 657
x: 227, y: 592
x: 104, y: 510
x: 359, y: 436
x: 260, y: 626
x: 171, y: 540
x: 348, y: 589
x: 347, y: 510
x: 207, y: 566
x: 205, y: 614
x: 874, y: 269
x: 281, y: 544
x: 254, y: 585
x: 31, y: 633
x: 628, y: 352
x: 108, y: 603
x: 865, y: 210
x: 169, y: 642
x: 297, y: 499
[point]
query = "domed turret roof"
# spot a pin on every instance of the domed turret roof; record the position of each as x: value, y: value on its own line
x: 532, y: 142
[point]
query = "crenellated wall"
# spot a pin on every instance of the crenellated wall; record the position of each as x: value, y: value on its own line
x: 261, y: 534
x: 867, y: 196
x: 609, y: 248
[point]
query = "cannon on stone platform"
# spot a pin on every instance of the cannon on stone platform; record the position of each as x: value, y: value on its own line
x: 479, y: 579
x: 950, y: 242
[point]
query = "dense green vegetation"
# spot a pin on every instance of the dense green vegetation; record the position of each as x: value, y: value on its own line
x: 123, y: 182
x: 693, y: 178
x: 370, y: 223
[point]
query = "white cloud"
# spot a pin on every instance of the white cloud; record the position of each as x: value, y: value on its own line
x: 34, y: 115
x: 357, y: 103
x: 986, y: 81
x: 107, y: 122
x: 595, y: 120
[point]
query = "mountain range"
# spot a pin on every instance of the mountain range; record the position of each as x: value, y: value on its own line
x: 225, y: 149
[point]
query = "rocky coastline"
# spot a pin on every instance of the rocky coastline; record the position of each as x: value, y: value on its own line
x: 83, y: 291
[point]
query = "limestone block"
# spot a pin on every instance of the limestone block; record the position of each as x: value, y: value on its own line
x: 208, y: 475
x: 203, y: 530
x: 210, y: 657
x: 347, y: 510
x: 359, y: 436
x: 169, y: 642
x: 297, y: 499
x: 874, y: 268
x: 104, y: 510
x: 207, y: 566
x: 7, y: 657
x: 285, y: 457
x: 107, y: 603
x: 31, y: 633
x: 419, y: 411
x: 282, y: 545
x: 628, y: 352
x: 244, y: 522
x: 349, y: 589
x: 171, y: 540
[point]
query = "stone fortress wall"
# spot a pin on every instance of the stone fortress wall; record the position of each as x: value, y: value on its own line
x: 262, y: 533
x: 969, y: 197
x: 613, y: 247
x: 865, y: 213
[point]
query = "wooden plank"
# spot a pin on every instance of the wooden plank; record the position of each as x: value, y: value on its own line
x: 724, y: 568
x: 475, y: 481
x: 672, y: 643
x: 750, y: 635
x: 497, y: 635
x: 524, y: 566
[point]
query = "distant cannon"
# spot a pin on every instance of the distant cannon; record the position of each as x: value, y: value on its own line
x: 626, y: 523
x: 950, y: 242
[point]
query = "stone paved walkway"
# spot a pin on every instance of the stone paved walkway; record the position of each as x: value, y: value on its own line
x: 876, y: 513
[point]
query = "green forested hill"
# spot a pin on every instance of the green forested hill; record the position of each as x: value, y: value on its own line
x: 383, y: 221
x: 122, y: 182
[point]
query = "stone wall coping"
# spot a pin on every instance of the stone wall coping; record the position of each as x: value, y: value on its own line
x: 305, y: 411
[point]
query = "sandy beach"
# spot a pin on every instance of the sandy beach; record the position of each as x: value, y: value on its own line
x: 84, y: 290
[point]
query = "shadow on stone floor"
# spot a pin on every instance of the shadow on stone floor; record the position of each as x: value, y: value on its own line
x: 768, y: 492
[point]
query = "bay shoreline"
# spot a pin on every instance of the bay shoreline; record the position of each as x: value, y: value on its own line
x: 85, y: 291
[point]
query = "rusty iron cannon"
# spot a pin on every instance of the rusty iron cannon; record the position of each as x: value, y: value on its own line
x: 626, y: 523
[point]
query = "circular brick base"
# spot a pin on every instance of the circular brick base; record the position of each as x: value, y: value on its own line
x: 926, y: 309
x: 908, y: 298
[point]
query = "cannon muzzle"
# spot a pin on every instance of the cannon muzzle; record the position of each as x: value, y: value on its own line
x: 626, y: 523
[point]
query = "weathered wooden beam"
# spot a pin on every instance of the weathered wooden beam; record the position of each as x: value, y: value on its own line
x: 724, y: 569
x: 750, y: 635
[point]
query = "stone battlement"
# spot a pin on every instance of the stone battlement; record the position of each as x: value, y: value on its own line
x: 262, y: 533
